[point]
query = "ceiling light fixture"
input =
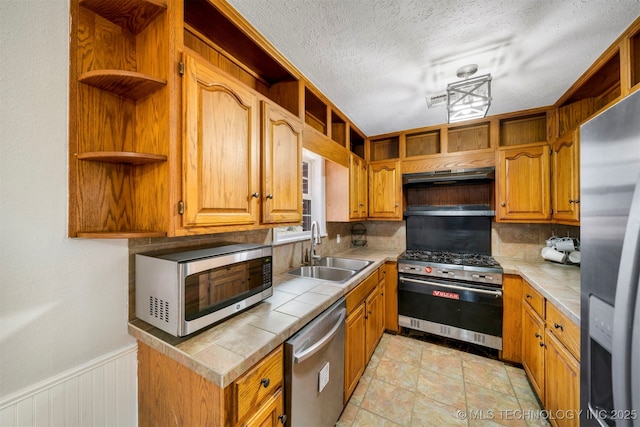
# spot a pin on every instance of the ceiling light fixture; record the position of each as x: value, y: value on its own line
x: 470, y: 98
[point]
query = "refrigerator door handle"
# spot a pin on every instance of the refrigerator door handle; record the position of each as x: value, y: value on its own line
x: 625, y: 302
x: 635, y: 360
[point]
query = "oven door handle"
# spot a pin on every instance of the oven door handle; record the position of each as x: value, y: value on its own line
x: 459, y: 288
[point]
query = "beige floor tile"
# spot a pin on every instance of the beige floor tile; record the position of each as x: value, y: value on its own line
x: 410, y: 382
x: 359, y: 392
x: 429, y: 413
x: 449, y: 364
x: 492, y: 376
x: 368, y: 419
x: 388, y: 401
x: 348, y: 415
x: 491, y: 405
x: 441, y: 388
x: 404, y: 351
x: 397, y: 373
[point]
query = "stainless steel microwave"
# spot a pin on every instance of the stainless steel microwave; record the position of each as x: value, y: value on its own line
x: 181, y: 292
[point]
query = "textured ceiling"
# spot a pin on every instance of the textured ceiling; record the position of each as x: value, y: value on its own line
x: 378, y: 60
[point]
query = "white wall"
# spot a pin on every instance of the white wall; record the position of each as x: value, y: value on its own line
x: 63, y: 302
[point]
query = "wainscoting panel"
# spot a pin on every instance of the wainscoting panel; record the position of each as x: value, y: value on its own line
x: 102, y: 392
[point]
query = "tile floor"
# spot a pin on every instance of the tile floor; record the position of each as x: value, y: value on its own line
x: 411, y: 382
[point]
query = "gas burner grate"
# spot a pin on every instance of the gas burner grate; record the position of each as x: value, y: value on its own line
x: 451, y: 258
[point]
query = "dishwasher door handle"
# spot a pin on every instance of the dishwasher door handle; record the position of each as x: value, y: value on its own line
x: 317, y: 346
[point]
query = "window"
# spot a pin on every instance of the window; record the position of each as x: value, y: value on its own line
x: 313, y: 201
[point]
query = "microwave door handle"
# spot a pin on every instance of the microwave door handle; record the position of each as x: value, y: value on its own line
x: 318, y: 345
x: 625, y: 301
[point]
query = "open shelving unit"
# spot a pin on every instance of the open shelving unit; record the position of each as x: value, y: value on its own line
x: 117, y: 157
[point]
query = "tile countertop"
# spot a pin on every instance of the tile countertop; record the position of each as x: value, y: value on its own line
x: 224, y: 352
x: 558, y: 283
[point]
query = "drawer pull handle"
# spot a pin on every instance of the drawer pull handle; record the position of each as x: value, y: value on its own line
x: 529, y: 296
x: 541, y: 344
x: 558, y: 326
x: 265, y: 382
x: 282, y: 418
x: 538, y: 335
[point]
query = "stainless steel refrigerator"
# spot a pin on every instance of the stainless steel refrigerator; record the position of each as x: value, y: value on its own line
x: 610, y: 264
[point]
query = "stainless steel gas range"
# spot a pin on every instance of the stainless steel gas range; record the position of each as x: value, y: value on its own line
x: 449, y: 285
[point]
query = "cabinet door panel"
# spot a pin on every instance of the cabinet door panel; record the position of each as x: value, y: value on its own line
x: 385, y: 190
x: 512, y: 318
x: 562, y: 382
x: 282, y: 166
x: 354, y: 350
x: 269, y: 414
x: 220, y: 148
x: 566, y: 184
x: 373, y: 317
x: 533, y: 348
x: 357, y: 187
x: 524, y: 183
x: 391, y: 297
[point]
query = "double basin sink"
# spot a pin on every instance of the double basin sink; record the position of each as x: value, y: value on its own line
x: 332, y: 269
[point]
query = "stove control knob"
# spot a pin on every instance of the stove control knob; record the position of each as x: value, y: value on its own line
x: 428, y: 269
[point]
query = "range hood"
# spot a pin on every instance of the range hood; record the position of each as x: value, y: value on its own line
x: 458, y: 210
x: 444, y: 177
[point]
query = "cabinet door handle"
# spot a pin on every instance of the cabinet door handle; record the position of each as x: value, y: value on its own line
x: 558, y: 326
x: 570, y: 200
x: 282, y: 418
x: 577, y: 201
x: 265, y: 382
x: 255, y: 195
x: 538, y: 335
x: 541, y: 344
x: 528, y: 296
x: 503, y: 204
x: 269, y: 196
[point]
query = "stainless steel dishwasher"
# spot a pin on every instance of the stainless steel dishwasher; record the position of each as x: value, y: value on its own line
x: 314, y: 370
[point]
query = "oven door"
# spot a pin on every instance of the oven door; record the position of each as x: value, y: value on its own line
x: 459, y: 310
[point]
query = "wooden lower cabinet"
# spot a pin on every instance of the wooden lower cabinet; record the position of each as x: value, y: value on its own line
x: 511, y: 318
x: 169, y: 393
x: 562, y: 383
x: 533, y: 349
x: 391, y: 297
x: 374, y: 317
x: 269, y: 414
x: 354, y: 350
x: 550, y: 357
x: 364, y: 328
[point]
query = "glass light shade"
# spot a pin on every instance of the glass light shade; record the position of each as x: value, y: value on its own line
x: 469, y: 99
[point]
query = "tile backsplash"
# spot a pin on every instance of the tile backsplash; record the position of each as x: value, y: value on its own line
x: 525, y: 241
x: 520, y: 241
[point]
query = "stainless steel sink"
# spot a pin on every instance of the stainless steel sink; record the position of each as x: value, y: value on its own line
x: 346, y: 263
x: 332, y: 269
x: 322, y: 272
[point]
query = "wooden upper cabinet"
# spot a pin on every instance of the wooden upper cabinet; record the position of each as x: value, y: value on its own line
x: 357, y: 187
x: 221, y: 184
x: 281, y: 165
x: 385, y: 190
x: 566, y: 178
x: 523, y: 188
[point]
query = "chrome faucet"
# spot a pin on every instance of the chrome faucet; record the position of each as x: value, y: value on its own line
x: 315, y: 240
